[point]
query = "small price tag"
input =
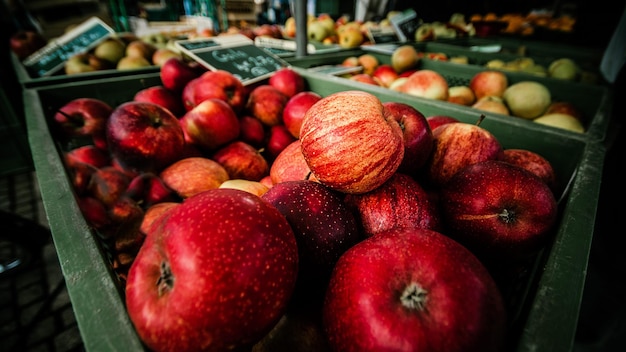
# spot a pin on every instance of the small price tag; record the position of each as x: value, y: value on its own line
x: 382, y: 35
x: 234, y: 53
x: 49, y: 59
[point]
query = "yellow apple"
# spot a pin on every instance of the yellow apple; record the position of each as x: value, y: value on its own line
x: 564, y: 121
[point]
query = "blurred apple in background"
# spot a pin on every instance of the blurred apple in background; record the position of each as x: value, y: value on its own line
x: 491, y: 104
x: 427, y: 84
x: 333, y: 143
x: 278, y: 139
x: 369, y: 63
x: 219, y: 84
x: 176, y: 73
x: 161, y: 55
x: 563, y: 121
x: 111, y: 49
x: 462, y: 95
x: 564, y: 68
x: 385, y: 75
x: 364, y: 78
x: 23, y: 43
x: 132, y: 63
x: 162, y: 96
x: 266, y: 103
x: 252, y: 131
x: 350, y: 38
x: 295, y: 109
x: 565, y: 107
x: 404, y: 58
x: 288, y: 81
x: 290, y: 165
x: 140, y: 48
x: 489, y: 83
x: 83, y: 117
x: 527, y: 99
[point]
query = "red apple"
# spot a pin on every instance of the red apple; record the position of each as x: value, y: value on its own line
x: 385, y: 74
x: 94, y: 211
x: 364, y: 78
x: 427, y: 84
x: 489, y: 83
x: 80, y: 174
x: 144, y: 136
x: 242, y: 161
x: 176, y: 73
x: 83, y: 117
x: 323, y: 225
x: 406, y: 289
x: 296, y: 108
x: 418, y: 138
x: 88, y: 154
x: 533, y: 162
x: 462, y: 95
x: 287, y: 81
x: 290, y: 165
x: 399, y: 202
x: 266, y: 103
x: 500, y: 211
x: 193, y: 175
x: 162, y: 96
x: 219, y: 84
x: 278, y: 139
x: 435, y: 120
x: 458, y: 145
x: 211, y: 124
x: 241, y: 291
x: 154, y: 215
x: 148, y: 189
x: 107, y: 184
x: 251, y: 131
x: 25, y: 42
x: 350, y: 142
x: 565, y: 107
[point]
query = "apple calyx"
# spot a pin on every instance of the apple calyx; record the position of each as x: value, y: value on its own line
x: 414, y: 297
x: 165, y: 283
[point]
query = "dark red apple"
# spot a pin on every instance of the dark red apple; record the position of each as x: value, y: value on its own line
x: 296, y: 108
x: 148, y: 189
x: 165, y: 97
x: 266, y: 103
x: 501, y: 212
x: 385, y: 74
x: 324, y: 227
x: 251, y: 131
x: 288, y: 81
x: 413, y: 289
x: 418, y: 137
x: 399, y: 202
x: 278, y: 139
x: 217, y: 275
x: 242, y: 161
x: 176, y: 73
x: 88, y: 154
x: 25, y: 42
x: 211, y: 124
x: 435, y: 120
x: 94, y: 212
x: 107, y: 184
x: 83, y: 117
x: 144, y: 136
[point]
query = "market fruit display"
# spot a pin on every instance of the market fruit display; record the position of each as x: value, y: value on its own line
x: 237, y: 239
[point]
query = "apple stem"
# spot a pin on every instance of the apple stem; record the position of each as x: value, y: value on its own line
x: 414, y: 297
x: 166, y: 280
x: 480, y: 119
x: 70, y: 117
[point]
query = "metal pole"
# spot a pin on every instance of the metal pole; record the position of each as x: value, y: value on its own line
x: 301, y: 35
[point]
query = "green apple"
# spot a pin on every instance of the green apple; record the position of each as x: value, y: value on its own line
x: 564, y: 68
x: 111, y: 49
x: 564, y: 121
x: 132, y: 62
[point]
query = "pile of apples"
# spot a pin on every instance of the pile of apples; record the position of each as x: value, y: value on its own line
x: 123, y: 52
x: 487, y: 90
x: 268, y: 217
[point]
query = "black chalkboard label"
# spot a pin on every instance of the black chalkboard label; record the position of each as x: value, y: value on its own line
x: 236, y: 54
x: 405, y: 24
x: 52, y: 57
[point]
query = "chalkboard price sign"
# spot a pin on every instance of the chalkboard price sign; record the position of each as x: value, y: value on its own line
x: 239, y: 56
x: 52, y: 57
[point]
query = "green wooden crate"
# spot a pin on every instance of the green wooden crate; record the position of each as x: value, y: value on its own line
x: 595, y: 101
x: 544, y: 306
